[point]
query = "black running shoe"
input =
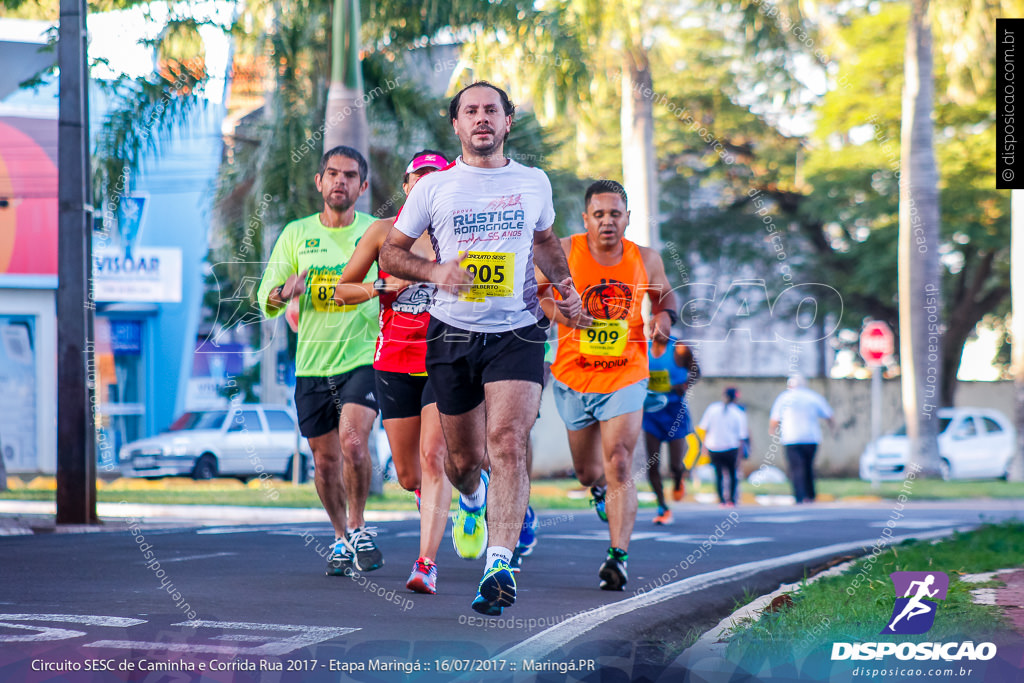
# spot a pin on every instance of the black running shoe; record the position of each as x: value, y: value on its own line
x: 367, y: 555
x: 613, y: 572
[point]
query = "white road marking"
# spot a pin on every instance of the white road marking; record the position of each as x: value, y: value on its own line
x: 43, y: 633
x: 697, y: 539
x: 602, y: 536
x: 305, y: 636
x: 544, y: 643
x: 916, y: 523
x: 189, y: 558
x: 781, y: 519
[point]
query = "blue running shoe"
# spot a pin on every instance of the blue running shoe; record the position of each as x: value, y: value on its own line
x: 342, y: 559
x: 469, y: 530
x: 497, y: 590
x: 528, y: 533
x: 597, y: 500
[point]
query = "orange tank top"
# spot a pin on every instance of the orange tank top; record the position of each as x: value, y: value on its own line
x: 612, y: 353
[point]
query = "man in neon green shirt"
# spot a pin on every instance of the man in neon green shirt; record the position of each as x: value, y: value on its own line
x: 333, y: 369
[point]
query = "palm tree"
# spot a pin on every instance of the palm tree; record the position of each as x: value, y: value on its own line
x: 919, y: 276
x: 345, y: 118
x: 1015, y: 470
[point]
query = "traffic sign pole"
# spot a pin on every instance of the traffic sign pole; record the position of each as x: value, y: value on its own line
x: 876, y: 344
x: 876, y: 419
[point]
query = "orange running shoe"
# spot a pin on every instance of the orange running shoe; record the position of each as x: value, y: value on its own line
x: 679, y: 492
x: 664, y: 516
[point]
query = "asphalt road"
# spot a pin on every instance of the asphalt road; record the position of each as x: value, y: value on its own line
x: 252, y: 603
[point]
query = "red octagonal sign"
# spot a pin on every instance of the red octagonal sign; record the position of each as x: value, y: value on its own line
x: 876, y: 343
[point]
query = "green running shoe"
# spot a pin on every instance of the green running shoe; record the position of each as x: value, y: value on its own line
x: 469, y: 531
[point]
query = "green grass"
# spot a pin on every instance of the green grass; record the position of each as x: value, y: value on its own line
x: 920, y: 489
x: 857, y: 605
x: 546, y: 494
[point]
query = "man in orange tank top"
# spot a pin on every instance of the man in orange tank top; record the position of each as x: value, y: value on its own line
x: 601, y: 368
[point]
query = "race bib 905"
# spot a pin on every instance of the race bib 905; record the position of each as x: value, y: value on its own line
x: 492, y: 274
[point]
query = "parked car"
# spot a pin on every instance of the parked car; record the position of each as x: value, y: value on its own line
x: 242, y: 441
x: 974, y: 443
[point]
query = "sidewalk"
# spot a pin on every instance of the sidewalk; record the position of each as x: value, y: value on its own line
x: 19, y: 517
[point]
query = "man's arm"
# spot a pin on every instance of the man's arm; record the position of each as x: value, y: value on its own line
x: 663, y: 299
x: 396, y: 258
x: 684, y: 358
x: 546, y: 296
x: 549, y: 257
x: 279, y: 297
x: 280, y: 282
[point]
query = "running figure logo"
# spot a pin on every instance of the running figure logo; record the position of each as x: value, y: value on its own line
x: 914, y: 612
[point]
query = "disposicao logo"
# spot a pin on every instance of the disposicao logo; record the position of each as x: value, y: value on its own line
x: 914, y: 614
x: 914, y: 611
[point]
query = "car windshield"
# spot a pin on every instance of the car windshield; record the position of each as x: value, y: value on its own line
x: 211, y: 419
x: 943, y: 425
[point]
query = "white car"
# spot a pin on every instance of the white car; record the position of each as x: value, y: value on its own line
x: 242, y: 441
x: 974, y: 443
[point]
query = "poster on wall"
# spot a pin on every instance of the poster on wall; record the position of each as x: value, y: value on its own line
x: 18, y: 393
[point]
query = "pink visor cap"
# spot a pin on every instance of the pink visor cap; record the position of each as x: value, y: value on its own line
x: 435, y: 161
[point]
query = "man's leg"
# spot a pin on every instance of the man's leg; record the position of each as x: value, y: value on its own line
x: 811, y: 450
x: 330, y: 485
x: 618, y: 439
x: 465, y: 439
x: 511, y: 408
x: 652, y: 446
x: 354, y: 435
x: 716, y: 462
x: 796, y: 471
x: 731, y: 463
x: 585, y: 447
x: 676, y: 452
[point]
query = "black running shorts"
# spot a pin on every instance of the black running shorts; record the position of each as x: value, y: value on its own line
x: 402, y: 395
x: 318, y: 400
x: 460, y: 363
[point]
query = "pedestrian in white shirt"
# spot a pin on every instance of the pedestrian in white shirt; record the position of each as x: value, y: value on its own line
x: 794, y: 417
x: 726, y: 438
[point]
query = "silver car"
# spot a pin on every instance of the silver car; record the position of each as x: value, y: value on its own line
x: 242, y: 441
x: 974, y: 443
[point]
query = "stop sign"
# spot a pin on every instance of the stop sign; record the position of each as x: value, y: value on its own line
x: 876, y: 343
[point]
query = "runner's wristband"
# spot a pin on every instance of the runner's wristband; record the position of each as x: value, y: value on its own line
x: 673, y: 317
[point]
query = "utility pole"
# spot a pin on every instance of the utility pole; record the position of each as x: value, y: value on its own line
x: 76, y: 426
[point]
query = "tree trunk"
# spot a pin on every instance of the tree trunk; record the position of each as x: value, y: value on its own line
x: 1015, y: 471
x: 919, y: 283
x: 345, y: 120
x: 639, y: 168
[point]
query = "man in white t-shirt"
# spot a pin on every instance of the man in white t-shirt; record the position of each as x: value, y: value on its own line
x: 794, y: 416
x: 726, y: 439
x: 489, y: 220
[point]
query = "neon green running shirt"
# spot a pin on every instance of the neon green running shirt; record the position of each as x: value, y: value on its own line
x: 332, y: 339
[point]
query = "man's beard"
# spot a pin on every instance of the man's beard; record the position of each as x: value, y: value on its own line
x: 339, y: 204
x: 488, y: 150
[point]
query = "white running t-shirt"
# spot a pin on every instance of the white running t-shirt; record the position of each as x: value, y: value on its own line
x: 491, y: 213
x: 798, y: 411
x: 725, y: 426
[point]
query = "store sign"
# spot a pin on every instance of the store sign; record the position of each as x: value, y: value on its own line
x: 149, y: 274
